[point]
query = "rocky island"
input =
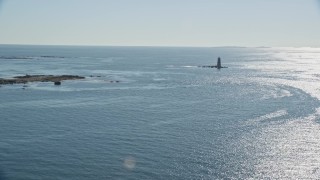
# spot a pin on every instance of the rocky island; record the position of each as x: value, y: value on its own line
x: 39, y: 78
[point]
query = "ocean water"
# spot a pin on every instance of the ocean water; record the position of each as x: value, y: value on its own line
x: 165, y: 118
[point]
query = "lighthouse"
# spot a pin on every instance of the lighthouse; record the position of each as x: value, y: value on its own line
x: 218, y: 66
x: 219, y: 63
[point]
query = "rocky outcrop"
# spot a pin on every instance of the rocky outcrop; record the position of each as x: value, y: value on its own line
x: 38, y: 78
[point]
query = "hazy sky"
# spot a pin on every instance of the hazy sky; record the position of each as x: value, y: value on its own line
x: 161, y: 22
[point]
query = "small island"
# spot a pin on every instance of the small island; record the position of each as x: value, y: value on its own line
x: 39, y: 78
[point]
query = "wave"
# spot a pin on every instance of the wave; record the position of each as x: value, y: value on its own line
x: 269, y: 116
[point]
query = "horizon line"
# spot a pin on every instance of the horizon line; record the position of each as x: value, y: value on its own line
x: 167, y: 46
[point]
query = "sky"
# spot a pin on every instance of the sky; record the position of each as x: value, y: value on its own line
x: 205, y: 23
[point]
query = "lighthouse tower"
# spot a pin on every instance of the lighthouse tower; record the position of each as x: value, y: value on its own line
x: 219, y: 63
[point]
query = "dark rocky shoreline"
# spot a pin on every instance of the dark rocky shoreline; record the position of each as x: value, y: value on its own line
x: 38, y: 78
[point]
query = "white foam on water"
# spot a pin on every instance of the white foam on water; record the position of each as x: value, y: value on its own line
x: 277, y: 93
x: 189, y: 66
x: 159, y: 79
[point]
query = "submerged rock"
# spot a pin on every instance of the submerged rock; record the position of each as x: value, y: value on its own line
x: 57, y: 83
x: 39, y: 78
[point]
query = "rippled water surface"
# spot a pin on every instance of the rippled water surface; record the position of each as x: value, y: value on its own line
x: 165, y: 118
